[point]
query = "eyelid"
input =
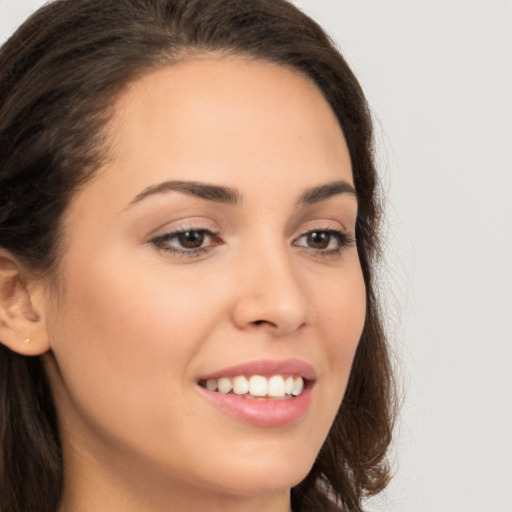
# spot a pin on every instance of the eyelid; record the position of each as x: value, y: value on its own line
x: 321, y: 225
x: 184, y: 224
x: 166, y: 238
x: 348, y: 236
x: 344, y: 238
x: 163, y: 243
x: 162, y: 237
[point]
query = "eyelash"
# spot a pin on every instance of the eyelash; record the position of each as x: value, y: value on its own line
x: 343, y: 240
x: 162, y: 242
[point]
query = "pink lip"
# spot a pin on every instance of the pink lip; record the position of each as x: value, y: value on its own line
x: 266, y: 367
x: 267, y: 413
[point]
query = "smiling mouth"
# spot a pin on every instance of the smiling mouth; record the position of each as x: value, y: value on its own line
x: 257, y: 387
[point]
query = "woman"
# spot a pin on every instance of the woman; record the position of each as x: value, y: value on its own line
x: 188, y: 233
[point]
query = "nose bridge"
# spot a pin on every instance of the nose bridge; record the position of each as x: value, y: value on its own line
x: 271, y: 291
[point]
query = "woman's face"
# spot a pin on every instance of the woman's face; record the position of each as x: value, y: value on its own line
x: 215, y: 246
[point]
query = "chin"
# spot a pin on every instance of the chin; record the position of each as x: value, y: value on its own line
x: 263, y: 477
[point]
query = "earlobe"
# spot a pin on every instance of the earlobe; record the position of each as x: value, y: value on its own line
x: 22, y: 323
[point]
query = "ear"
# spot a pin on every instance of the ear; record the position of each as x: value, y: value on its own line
x: 22, y: 324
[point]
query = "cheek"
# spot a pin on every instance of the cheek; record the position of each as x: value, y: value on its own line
x: 341, y: 312
x: 123, y: 341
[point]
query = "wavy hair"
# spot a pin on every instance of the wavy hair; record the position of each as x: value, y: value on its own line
x: 60, y: 75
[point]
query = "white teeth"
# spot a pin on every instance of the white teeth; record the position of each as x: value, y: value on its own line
x: 240, y: 385
x: 225, y: 385
x: 289, y: 385
x: 258, y: 385
x: 211, y: 384
x: 298, y: 386
x: 275, y: 386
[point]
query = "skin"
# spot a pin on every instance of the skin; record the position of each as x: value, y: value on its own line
x: 130, y: 327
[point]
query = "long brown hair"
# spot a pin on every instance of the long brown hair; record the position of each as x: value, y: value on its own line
x: 59, y: 77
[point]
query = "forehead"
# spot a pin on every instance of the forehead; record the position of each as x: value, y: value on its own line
x: 212, y: 92
x: 227, y: 120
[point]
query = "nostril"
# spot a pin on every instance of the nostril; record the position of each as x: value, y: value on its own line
x: 263, y: 322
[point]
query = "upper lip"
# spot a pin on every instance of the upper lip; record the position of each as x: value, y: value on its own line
x: 266, y: 367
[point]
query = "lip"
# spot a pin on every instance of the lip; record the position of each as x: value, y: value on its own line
x: 266, y: 413
x: 266, y: 367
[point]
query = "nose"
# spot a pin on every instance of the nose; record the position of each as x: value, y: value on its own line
x: 271, y: 295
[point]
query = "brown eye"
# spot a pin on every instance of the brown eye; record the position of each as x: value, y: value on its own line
x: 326, y: 242
x: 191, y: 239
x: 318, y: 239
x: 190, y: 242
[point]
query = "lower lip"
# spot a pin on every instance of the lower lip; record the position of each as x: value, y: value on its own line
x: 266, y: 413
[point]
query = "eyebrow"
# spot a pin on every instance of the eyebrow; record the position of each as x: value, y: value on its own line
x: 228, y: 195
x: 323, y: 192
x: 216, y: 193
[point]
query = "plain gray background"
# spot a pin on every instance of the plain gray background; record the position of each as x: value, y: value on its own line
x: 438, y: 75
